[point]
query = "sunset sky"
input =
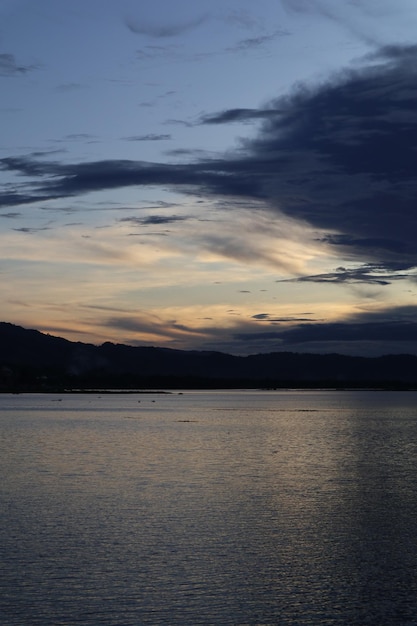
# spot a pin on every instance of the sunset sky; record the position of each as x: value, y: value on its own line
x: 216, y: 175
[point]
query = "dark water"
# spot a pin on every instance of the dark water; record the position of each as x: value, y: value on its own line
x: 228, y: 508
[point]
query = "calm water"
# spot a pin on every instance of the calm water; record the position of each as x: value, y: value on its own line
x: 240, y: 508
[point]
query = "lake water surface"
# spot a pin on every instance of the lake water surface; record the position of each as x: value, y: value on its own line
x: 209, y: 508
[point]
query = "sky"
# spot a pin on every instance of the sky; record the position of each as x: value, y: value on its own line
x: 211, y: 175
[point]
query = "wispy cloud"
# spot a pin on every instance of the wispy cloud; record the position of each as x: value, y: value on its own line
x: 368, y: 274
x: 350, y: 15
x: 237, y: 115
x: 242, y: 18
x: 10, y: 215
x: 154, y: 327
x: 271, y: 318
x: 154, y: 220
x: 79, y: 137
x: 68, y: 87
x: 10, y: 67
x: 141, y: 26
x: 148, y: 137
x: 31, y: 230
x: 260, y: 41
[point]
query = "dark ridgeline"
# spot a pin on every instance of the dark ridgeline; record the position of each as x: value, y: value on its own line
x: 33, y: 361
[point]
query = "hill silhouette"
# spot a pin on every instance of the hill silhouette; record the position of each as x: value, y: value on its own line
x: 33, y: 361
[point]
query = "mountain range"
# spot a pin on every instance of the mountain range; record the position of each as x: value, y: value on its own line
x: 34, y: 361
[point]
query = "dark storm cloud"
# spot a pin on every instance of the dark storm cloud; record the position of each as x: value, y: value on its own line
x: 340, y: 156
x: 10, y: 67
x: 383, y: 332
x: 392, y: 330
x: 344, y: 158
x: 62, y: 180
x: 18, y: 199
x: 28, y: 166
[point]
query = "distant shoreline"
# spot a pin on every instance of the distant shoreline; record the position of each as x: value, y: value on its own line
x: 179, y: 390
x: 33, y: 362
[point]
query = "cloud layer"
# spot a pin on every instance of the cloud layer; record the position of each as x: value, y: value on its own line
x: 339, y: 156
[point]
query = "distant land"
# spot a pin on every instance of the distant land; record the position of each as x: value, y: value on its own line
x: 33, y: 361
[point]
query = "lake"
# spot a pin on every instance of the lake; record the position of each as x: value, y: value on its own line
x: 209, y: 508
